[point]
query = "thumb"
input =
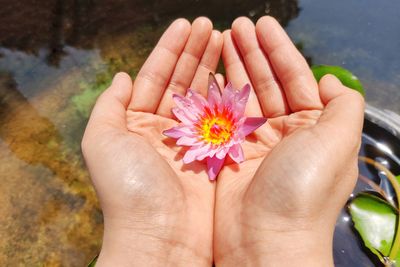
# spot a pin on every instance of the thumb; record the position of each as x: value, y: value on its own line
x: 109, y: 112
x: 111, y: 105
x: 343, y: 116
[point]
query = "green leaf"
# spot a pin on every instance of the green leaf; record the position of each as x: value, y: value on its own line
x: 375, y: 221
x: 93, y: 262
x: 345, y: 76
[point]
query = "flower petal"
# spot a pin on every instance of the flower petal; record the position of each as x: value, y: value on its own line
x: 251, y: 124
x: 194, y: 152
x: 187, y: 107
x: 228, y: 96
x: 178, y: 131
x: 181, y: 115
x: 214, y: 166
x: 243, y: 94
x: 207, y: 153
x: 221, y: 153
x: 210, y: 153
x: 197, y: 99
x: 214, y: 92
x: 241, y: 100
x: 236, y: 153
x: 187, y: 141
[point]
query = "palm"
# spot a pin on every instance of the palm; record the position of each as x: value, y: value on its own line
x: 137, y: 172
x: 286, y: 93
x: 166, y: 158
x: 280, y: 180
x: 273, y: 138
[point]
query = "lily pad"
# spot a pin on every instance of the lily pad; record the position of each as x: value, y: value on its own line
x: 93, y: 262
x: 375, y: 221
x: 345, y: 76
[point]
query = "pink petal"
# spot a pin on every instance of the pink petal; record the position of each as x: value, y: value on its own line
x: 207, y: 153
x: 236, y: 153
x: 187, y: 141
x: 210, y: 153
x: 244, y: 93
x: 197, y: 99
x: 228, y: 96
x: 186, y: 106
x: 178, y: 131
x: 194, y: 152
x: 241, y: 100
x: 251, y: 124
x: 214, y: 166
x: 214, y: 92
x: 181, y: 115
x: 221, y: 153
x: 187, y: 103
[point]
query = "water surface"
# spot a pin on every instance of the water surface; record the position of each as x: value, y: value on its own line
x: 57, y: 56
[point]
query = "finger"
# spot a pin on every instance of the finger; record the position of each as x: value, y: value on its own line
x: 187, y: 64
x: 237, y: 75
x: 220, y: 80
x: 343, y: 114
x: 291, y: 68
x: 109, y: 113
x: 208, y: 63
x: 270, y: 95
x: 156, y: 72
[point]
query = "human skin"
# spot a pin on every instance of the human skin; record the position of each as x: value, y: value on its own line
x: 279, y: 207
x: 157, y: 212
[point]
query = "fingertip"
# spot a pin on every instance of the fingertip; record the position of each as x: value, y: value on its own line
x: 329, y: 79
x: 242, y: 25
x: 266, y: 20
x: 226, y: 37
x: 121, y: 76
x: 181, y: 24
x: 329, y: 88
x: 203, y: 22
x: 220, y: 80
x: 240, y: 21
x: 121, y: 87
x: 226, y: 32
x: 216, y: 34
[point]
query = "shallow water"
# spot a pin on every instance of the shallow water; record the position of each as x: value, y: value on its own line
x: 57, y: 56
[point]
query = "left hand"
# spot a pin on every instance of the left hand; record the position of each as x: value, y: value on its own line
x: 157, y: 212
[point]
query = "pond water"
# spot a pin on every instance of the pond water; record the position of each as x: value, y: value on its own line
x: 57, y: 56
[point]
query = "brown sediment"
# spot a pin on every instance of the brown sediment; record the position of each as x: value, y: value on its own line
x: 49, y: 211
x: 47, y: 203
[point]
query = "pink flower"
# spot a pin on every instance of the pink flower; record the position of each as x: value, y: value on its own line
x: 213, y: 128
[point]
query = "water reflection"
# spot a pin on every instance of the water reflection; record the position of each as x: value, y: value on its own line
x: 54, y: 24
x: 55, y: 58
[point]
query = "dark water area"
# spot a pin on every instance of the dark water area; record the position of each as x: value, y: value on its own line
x: 57, y: 56
x: 383, y: 146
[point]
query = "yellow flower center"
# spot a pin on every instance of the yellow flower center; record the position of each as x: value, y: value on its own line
x: 216, y: 128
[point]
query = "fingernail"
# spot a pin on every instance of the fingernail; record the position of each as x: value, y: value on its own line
x: 115, y: 78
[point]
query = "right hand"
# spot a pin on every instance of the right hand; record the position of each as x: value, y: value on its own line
x: 279, y: 207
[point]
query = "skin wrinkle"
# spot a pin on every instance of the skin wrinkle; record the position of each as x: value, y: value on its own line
x: 151, y: 77
x: 162, y: 254
x: 178, y: 214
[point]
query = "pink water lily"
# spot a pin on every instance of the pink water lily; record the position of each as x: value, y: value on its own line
x: 213, y: 128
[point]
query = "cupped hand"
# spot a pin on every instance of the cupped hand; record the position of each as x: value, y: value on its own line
x: 157, y: 212
x: 279, y: 207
